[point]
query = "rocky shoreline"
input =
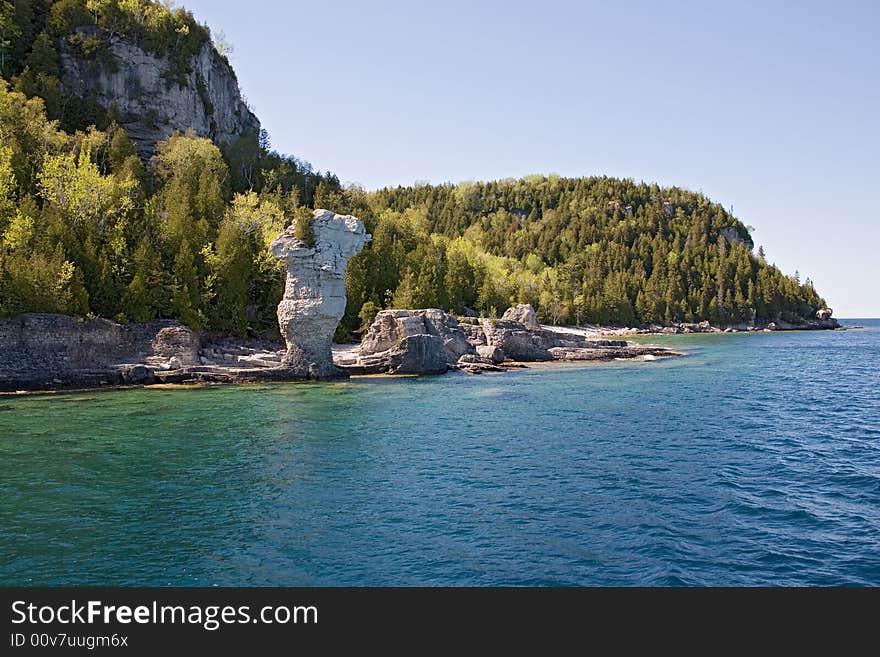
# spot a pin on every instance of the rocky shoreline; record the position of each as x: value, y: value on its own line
x: 57, y: 352
x: 433, y: 342
x: 49, y: 352
x: 825, y: 323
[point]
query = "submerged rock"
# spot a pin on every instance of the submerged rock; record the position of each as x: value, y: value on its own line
x: 314, y: 293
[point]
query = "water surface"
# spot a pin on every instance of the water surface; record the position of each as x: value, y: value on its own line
x: 755, y: 460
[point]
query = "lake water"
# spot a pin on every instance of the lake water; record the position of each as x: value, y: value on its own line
x: 754, y: 460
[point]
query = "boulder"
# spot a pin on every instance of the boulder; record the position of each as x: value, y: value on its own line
x: 702, y: 327
x: 418, y: 354
x: 522, y: 313
x: 824, y: 314
x: 434, y: 338
x: 179, y: 343
x: 136, y: 374
x: 314, y: 293
x: 473, y: 331
x: 474, y: 364
x: 515, y: 340
x: 492, y: 354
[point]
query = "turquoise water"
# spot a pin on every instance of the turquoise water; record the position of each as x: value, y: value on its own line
x: 755, y: 460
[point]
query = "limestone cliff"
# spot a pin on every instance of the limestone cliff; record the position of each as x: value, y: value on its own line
x: 140, y: 88
x: 314, y: 293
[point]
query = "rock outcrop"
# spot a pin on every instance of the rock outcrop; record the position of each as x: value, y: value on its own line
x: 600, y: 352
x: 824, y: 314
x: 432, y: 341
x: 410, y: 342
x: 45, y: 351
x: 151, y: 105
x: 178, y: 343
x: 475, y: 364
x: 314, y: 293
x: 515, y: 340
x: 523, y: 313
x: 732, y: 234
x: 493, y: 354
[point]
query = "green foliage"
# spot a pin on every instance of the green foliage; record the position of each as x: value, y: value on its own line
x: 302, y: 226
x: 367, y: 314
x: 587, y: 250
x: 85, y: 227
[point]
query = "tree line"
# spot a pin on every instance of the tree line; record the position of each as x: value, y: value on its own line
x: 86, y: 227
x: 580, y: 250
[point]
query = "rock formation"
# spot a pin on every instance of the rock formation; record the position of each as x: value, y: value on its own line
x: 523, y: 313
x: 411, y: 342
x: 45, y: 351
x: 475, y: 364
x: 177, y: 343
x: 824, y: 314
x: 432, y: 341
x: 314, y: 294
x: 732, y: 234
x: 515, y: 340
x: 494, y: 354
x: 150, y: 105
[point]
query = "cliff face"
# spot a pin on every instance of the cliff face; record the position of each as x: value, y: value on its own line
x: 149, y: 108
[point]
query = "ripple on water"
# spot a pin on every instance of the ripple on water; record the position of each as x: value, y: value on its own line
x: 752, y: 461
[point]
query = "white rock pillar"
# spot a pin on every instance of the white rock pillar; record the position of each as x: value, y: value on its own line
x: 314, y: 293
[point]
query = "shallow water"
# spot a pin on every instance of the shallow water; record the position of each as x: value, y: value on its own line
x: 754, y: 460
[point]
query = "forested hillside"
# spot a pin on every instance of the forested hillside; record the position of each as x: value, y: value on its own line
x: 598, y: 250
x: 88, y: 226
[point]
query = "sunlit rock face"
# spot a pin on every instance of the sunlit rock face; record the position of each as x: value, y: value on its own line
x: 427, y: 341
x: 150, y: 109
x: 314, y: 294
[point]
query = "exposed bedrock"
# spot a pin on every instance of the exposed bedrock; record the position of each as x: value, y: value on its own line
x: 523, y: 313
x: 432, y: 341
x: 136, y: 86
x: 411, y: 342
x: 314, y: 294
x: 46, y: 351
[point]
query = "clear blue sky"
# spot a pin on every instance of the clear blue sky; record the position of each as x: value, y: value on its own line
x: 772, y: 108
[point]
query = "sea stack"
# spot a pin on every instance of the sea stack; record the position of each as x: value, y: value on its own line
x: 314, y: 293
